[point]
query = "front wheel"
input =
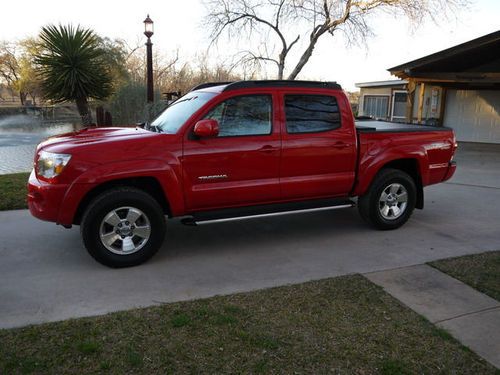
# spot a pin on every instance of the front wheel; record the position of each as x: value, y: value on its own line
x: 390, y: 201
x: 123, y: 227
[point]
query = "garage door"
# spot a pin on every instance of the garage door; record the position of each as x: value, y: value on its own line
x: 474, y: 115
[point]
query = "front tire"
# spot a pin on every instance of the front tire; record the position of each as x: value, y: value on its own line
x: 390, y: 201
x: 123, y: 227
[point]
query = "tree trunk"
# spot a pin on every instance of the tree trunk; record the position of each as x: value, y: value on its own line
x: 303, y: 60
x: 84, y: 111
x: 280, y: 71
x: 22, y: 97
x: 281, y: 64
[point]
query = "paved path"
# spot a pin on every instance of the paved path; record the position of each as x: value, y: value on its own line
x: 470, y: 316
x: 46, y: 274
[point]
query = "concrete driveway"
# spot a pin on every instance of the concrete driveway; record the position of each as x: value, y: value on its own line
x: 46, y: 274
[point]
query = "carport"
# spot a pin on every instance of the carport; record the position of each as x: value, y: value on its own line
x: 458, y: 87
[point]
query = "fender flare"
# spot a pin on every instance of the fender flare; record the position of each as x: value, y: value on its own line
x: 166, y: 174
x: 374, y: 160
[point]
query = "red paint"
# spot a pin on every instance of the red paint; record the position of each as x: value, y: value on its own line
x: 218, y: 172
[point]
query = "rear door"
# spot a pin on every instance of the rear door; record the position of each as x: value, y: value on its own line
x: 319, y: 145
x: 241, y: 165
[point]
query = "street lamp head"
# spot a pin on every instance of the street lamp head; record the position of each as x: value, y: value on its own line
x: 148, y: 27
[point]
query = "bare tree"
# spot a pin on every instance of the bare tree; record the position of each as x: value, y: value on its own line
x: 10, y: 69
x: 285, y: 24
x: 17, y: 70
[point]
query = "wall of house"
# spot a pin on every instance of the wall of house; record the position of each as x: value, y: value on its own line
x: 474, y: 115
x: 386, y: 91
x: 432, y: 102
x: 377, y: 91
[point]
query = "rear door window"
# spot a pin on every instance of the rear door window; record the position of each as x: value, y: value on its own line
x: 311, y: 113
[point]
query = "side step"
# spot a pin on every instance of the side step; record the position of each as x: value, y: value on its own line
x: 254, y: 212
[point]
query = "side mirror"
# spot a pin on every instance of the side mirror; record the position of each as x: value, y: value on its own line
x: 206, y: 128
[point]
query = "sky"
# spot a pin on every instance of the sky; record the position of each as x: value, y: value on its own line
x: 178, y: 26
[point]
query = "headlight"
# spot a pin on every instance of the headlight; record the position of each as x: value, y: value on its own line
x: 50, y: 164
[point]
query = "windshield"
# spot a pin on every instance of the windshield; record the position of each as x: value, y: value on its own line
x: 177, y: 113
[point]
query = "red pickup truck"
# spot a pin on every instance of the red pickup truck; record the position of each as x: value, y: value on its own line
x: 232, y: 151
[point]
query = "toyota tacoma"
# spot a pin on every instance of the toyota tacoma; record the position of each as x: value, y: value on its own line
x: 232, y: 151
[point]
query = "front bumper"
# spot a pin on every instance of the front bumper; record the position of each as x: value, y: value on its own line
x: 45, y: 199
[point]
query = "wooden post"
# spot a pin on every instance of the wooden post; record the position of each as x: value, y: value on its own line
x: 108, y: 119
x: 442, y: 105
x: 420, y: 102
x: 410, y: 99
x: 99, y: 116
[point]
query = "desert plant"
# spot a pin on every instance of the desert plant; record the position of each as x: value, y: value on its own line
x: 72, y: 67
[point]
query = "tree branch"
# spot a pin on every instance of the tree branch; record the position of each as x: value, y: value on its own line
x: 313, y: 19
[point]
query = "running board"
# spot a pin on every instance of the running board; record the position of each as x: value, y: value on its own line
x: 229, y: 214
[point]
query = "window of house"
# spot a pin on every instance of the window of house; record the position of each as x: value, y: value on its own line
x: 399, y: 106
x: 311, y: 113
x: 243, y: 115
x: 375, y: 106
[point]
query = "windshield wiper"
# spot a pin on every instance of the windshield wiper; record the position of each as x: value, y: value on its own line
x: 151, y: 128
x: 154, y: 129
x: 183, y: 100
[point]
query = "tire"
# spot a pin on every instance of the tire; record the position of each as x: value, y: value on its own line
x: 123, y: 227
x: 386, y: 206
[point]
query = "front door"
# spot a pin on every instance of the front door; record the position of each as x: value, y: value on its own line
x: 241, y: 165
x: 399, y: 99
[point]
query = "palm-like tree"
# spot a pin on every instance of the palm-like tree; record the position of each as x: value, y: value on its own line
x: 72, y: 67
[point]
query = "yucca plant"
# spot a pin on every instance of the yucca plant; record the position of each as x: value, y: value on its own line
x: 72, y: 67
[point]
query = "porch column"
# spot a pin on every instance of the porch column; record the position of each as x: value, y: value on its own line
x: 420, y: 102
x: 410, y: 99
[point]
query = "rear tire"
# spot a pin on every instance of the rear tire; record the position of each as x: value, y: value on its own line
x: 123, y: 227
x: 390, y: 201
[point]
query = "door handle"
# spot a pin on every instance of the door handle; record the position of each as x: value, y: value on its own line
x: 341, y: 145
x: 267, y: 149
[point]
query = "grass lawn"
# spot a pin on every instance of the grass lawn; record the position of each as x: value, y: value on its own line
x: 345, y: 325
x: 480, y: 271
x: 13, y: 191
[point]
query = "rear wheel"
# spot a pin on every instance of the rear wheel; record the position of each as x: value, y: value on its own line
x: 123, y: 227
x: 390, y: 201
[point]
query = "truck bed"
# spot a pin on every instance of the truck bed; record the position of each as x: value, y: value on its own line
x: 381, y: 141
x: 370, y: 126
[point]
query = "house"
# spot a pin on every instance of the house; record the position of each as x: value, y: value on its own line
x: 384, y: 100
x: 458, y: 87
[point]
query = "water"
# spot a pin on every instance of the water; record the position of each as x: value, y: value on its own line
x: 19, y: 136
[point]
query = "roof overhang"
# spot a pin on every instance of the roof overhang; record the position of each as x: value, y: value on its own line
x: 474, y: 62
x: 392, y: 82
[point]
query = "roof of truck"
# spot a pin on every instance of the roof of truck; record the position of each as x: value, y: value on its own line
x: 229, y: 86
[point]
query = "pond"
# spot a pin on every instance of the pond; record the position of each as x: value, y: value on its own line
x: 19, y: 136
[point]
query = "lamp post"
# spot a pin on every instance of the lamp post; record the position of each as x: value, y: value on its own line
x: 148, y: 31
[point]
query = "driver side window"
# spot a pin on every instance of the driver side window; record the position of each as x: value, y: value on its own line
x: 243, y: 115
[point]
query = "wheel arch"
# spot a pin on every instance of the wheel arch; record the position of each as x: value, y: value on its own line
x: 411, y: 167
x: 145, y: 183
x: 371, y: 205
